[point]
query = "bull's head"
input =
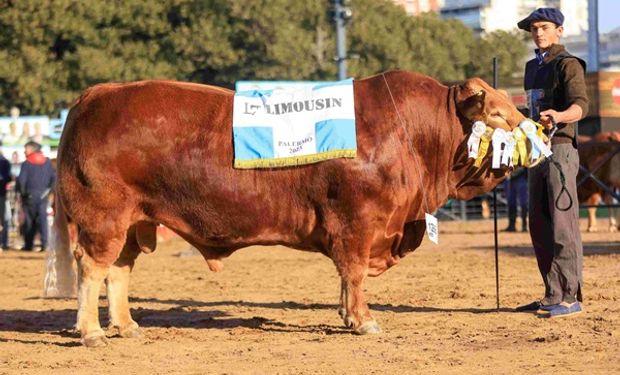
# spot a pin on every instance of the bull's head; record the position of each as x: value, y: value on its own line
x: 477, y: 101
x: 484, y: 114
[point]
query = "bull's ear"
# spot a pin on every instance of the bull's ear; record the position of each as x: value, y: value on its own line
x: 471, y: 106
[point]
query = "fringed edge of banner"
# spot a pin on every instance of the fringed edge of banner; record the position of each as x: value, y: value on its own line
x: 294, y: 160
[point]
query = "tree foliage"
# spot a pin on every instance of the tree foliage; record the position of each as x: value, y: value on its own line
x: 510, y: 50
x: 52, y: 50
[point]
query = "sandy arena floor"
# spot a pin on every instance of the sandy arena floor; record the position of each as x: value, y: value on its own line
x: 273, y: 311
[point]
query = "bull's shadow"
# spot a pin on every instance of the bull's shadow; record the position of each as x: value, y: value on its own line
x: 186, y: 314
x: 291, y: 305
x: 61, y: 323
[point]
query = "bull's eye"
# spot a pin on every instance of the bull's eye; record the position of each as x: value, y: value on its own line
x: 497, y: 114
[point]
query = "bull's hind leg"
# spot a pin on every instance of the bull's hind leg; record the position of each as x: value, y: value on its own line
x: 613, y: 225
x: 92, y: 270
x: 118, y: 288
x: 593, y: 200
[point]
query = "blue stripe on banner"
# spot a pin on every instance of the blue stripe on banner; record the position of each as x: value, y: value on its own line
x: 253, y: 142
x: 254, y: 93
x: 335, y: 134
x: 344, y: 82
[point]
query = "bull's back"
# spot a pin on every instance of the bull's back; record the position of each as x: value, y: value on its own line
x: 164, y: 151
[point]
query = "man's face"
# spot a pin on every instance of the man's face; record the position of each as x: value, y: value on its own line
x: 545, y: 33
x: 28, y: 150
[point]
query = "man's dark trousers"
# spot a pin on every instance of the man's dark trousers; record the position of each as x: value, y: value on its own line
x: 35, y: 212
x: 555, y: 233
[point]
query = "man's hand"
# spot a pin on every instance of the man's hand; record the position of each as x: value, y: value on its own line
x: 572, y: 114
x: 548, y: 117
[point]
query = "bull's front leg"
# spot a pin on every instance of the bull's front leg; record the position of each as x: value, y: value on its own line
x: 355, y: 313
x: 353, y: 269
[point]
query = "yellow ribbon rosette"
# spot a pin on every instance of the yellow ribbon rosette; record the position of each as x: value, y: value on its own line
x: 520, y: 152
x: 485, y: 139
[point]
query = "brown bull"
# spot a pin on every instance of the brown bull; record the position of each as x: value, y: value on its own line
x: 601, y: 155
x: 138, y: 154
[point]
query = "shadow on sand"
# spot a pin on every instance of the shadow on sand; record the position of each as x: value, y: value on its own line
x: 187, y: 314
x: 589, y: 248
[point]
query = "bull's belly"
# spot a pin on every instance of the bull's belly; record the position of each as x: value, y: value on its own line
x: 228, y: 233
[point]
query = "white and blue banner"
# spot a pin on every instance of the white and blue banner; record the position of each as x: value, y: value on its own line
x: 294, y: 125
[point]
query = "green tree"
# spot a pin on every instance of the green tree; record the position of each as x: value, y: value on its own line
x: 57, y: 48
x: 282, y: 39
x: 52, y: 50
x: 510, y: 50
x: 384, y: 37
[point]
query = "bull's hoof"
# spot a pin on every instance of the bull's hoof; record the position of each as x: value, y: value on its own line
x: 368, y: 328
x: 613, y: 228
x: 95, y: 340
x: 342, y: 312
x: 348, y: 321
x: 130, y: 332
x: 592, y: 229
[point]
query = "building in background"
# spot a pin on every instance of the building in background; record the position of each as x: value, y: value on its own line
x: 485, y: 16
x: 415, y: 7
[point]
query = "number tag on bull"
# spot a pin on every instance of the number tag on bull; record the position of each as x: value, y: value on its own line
x: 432, y: 228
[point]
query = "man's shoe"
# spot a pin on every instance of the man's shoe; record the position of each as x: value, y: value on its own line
x: 544, y: 309
x: 530, y: 307
x: 565, y: 309
x: 510, y: 228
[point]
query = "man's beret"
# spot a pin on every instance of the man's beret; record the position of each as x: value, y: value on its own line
x: 542, y: 14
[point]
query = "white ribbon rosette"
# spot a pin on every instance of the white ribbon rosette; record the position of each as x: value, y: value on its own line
x: 508, y: 149
x: 473, y: 143
x: 538, y: 146
x: 498, y: 140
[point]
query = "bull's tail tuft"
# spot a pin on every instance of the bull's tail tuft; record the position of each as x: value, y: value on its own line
x: 60, y: 276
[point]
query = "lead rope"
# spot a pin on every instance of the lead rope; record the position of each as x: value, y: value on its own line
x: 562, y: 176
x: 416, y: 163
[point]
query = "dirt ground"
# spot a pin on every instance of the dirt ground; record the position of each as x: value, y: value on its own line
x: 273, y: 311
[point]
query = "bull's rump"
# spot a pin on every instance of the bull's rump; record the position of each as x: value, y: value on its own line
x: 162, y: 151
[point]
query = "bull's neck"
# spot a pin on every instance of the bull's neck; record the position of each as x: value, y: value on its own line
x: 466, y: 181
x: 434, y: 149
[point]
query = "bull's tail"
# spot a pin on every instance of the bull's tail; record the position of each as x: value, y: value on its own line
x: 60, y: 276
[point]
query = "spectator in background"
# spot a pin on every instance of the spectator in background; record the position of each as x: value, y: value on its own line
x: 5, y: 178
x: 35, y: 182
x: 515, y: 189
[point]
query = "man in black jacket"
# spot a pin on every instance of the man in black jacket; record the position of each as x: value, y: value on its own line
x: 35, y: 182
x: 556, y: 92
x: 5, y: 178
